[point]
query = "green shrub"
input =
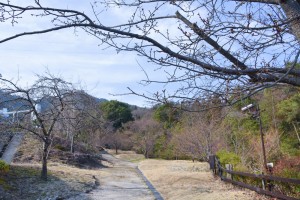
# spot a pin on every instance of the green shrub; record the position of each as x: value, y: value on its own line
x: 291, y: 173
x: 163, y: 148
x: 290, y: 146
x: 290, y: 189
x: 4, y: 167
x: 228, y: 158
x: 60, y: 147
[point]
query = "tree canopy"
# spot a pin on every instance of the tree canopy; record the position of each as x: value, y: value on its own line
x: 117, y: 112
x: 206, y: 47
x: 167, y: 114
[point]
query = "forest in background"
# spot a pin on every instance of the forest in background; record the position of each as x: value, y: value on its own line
x: 191, y: 130
x: 169, y: 133
x: 221, y: 56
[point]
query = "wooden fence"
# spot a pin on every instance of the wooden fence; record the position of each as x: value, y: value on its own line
x: 267, y: 181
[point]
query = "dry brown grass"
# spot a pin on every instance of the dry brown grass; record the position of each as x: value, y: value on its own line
x: 127, y: 155
x: 187, y: 180
x: 29, y: 150
x: 173, y: 179
x: 23, y: 181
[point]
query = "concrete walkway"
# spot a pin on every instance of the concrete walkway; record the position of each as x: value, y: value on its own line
x: 12, y: 147
x: 122, y: 181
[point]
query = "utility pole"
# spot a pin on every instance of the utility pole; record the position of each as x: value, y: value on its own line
x: 262, y: 138
x: 255, y: 111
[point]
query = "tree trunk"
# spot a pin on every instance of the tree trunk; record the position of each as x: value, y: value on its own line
x: 146, y: 154
x: 72, y: 144
x: 116, y: 149
x: 44, y: 173
x: 291, y: 9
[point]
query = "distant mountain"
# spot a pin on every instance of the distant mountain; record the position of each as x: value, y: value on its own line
x: 12, y: 102
x: 100, y: 100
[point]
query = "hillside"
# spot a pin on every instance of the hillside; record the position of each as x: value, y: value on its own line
x: 167, y: 132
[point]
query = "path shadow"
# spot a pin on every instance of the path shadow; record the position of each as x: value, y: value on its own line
x: 24, y: 183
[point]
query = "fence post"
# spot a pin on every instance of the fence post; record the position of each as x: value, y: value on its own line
x: 219, y: 168
x: 230, y: 168
x: 263, y: 182
x: 212, y: 163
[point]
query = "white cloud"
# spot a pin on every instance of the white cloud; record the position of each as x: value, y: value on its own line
x: 75, y: 57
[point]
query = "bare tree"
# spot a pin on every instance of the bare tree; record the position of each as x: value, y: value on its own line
x: 39, y: 108
x: 117, y: 139
x: 200, y: 134
x: 82, y: 118
x: 208, y: 46
x: 144, y: 133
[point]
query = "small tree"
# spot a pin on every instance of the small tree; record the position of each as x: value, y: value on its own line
x: 82, y: 119
x: 116, y: 112
x: 199, y: 132
x: 52, y: 94
x: 144, y: 132
x: 167, y: 114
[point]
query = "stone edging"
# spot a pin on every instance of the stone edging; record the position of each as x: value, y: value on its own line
x: 156, y: 194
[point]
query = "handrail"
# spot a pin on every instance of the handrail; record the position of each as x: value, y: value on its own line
x: 219, y: 170
x: 260, y: 190
x: 266, y: 177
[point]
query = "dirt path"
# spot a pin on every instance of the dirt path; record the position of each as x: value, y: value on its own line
x: 121, y: 181
x: 12, y: 147
x: 187, y: 180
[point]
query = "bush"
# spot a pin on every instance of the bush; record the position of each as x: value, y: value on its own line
x: 4, y: 167
x: 163, y: 148
x: 288, y: 167
x: 288, y: 188
x: 228, y: 158
x: 290, y: 145
x: 60, y: 147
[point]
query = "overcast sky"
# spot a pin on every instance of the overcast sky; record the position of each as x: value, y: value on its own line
x: 75, y: 57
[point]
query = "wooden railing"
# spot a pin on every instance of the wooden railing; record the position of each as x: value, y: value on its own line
x: 267, y: 181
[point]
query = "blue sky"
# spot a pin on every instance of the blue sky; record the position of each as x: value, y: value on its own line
x: 75, y: 57
x: 78, y: 58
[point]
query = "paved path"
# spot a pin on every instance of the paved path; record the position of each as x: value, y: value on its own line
x: 122, y: 181
x: 12, y: 147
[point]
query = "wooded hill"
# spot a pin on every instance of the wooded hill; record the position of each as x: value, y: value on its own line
x: 169, y: 131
